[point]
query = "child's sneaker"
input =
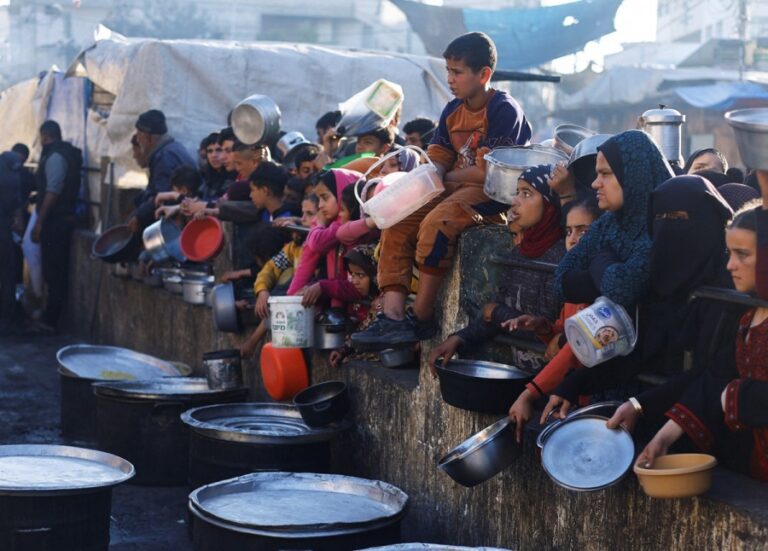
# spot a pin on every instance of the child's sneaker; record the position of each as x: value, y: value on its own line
x: 424, y: 330
x: 385, y: 333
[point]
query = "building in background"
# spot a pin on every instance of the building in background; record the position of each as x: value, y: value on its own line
x: 701, y: 20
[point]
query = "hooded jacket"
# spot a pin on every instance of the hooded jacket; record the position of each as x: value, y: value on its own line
x: 640, y: 168
x: 323, y: 240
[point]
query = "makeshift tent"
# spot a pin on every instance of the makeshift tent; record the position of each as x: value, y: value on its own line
x: 196, y: 83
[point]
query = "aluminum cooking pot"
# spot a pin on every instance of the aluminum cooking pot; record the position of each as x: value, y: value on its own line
x: 256, y: 120
x: 195, y: 287
x: 290, y: 144
x: 750, y: 126
x: 330, y: 330
x: 591, y: 409
x: 323, y: 404
x: 506, y: 164
x: 482, y: 456
x: 161, y: 240
x: 568, y: 136
x: 117, y: 244
x: 224, y: 308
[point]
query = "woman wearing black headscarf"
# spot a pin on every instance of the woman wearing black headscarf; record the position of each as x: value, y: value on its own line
x: 687, y: 221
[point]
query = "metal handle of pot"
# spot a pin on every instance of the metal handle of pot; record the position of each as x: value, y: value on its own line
x: 322, y: 406
x: 38, y: 539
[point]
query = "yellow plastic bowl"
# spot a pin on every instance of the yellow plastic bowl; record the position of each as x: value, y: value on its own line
x: 677, y: 475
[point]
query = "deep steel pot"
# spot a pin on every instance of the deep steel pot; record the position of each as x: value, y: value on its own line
x: 63, y: 516
x: 393, y: 358
x: 504, y: 165
x: 256, y: 120
x: 323, y: 404
x: 77, y: 407
x: 161, y: 240
x: 194, y: 288
x: 223, y: 369
x: 140, y: 420
x: 117, y: 244
x: 330, y: 330
x: 234, y: 439
x: 173, y: 284
x: 480, y: 386
x: 665, y: 126
x: 750, y: 127
x: 224, y: 308
x: 482, y: 456
x: 342, y: 528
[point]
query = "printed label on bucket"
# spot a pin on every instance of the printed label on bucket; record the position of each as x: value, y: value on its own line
x: 600, y: 332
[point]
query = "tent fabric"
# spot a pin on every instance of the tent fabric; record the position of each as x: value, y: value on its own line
x: 721, y: 96
x: 524, y: 38
x: 632, y: 85
x: 196, y: 83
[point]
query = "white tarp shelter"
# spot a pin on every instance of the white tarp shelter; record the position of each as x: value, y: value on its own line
x: 196, y: 83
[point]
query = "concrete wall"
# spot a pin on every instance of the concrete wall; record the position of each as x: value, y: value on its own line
x: 402, y: 428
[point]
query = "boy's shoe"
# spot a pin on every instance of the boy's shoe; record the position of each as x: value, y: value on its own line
x: 426, y: 329
x: 385, y: 333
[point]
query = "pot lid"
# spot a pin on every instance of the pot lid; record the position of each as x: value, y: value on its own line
x: 477, y: 369
x: 167, y: 388
x: 583, y: 454
x: 258, y: 423
x: 104, y: 363
x: 663, y: 114
x: 299, y: 504
x: 37, y: 468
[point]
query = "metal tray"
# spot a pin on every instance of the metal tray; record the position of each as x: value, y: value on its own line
x: 299, y: 505
x: 258, y: 423
x: 582, y: 454
x: 477, y: 369
x: 111, y: 363
x: 45, y: 469
x: 167, y: 388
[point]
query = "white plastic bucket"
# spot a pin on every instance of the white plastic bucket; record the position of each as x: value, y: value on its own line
x: 293, y: 325
x: 600, y: 332
x: 400, y: 198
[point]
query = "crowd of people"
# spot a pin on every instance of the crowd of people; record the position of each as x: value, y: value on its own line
x: 622, y: 223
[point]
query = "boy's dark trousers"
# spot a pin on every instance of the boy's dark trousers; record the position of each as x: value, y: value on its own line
x: 8, y: 272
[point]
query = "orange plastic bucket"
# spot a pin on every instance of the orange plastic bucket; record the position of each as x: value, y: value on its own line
x: 283, y: 371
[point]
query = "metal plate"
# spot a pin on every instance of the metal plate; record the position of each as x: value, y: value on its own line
x: 168, y: 388
x: 37, y: 468
x: 477, y: 369
x: 300, y: 504
x: 259, y: 423
x: 105, y: 363
x: 583, y: 454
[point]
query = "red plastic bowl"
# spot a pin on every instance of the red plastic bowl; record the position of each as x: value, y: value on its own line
x: 202, y: 239
x: 283, y: 372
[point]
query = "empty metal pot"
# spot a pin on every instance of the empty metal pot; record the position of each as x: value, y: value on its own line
x: 323, y: 404
x: 195, y: 287
x: 482, y: 456
x: 223, y: 369
x: 161, y: 240
x: 256, y: 120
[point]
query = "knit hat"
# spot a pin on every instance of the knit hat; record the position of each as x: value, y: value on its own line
x: 152, y: 122
x: 539, y: 177
x: 738, y: 195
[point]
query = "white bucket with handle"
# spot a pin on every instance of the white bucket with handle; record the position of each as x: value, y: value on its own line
x: 600, y: 332
x: 293, y: 325
x: 405, y: 195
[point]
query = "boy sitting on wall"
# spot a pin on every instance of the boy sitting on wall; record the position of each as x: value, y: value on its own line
x: 479, y: 117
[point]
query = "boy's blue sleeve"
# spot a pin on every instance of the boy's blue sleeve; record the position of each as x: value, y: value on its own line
x: 507, y: 124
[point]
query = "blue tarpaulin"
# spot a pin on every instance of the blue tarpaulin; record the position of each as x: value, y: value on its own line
x: 721, y: 96
x: 524, y: 38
